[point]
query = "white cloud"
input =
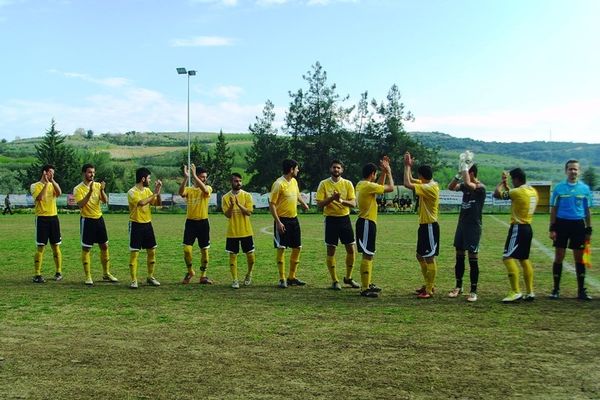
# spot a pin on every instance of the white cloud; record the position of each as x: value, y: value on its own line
x: 110, y: 82
x: 202, y: 41
x: 271, y: 2
x: 229, y: 92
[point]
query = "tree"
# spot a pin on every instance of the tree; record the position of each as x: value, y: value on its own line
x: 53, y: 150
x: 89, y: 134
x: 220, y: 174
x: 267, y: 151
x: 590, y: 178
x: 316, y: 123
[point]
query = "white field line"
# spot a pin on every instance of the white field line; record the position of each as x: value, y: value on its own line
x: 550, y: 253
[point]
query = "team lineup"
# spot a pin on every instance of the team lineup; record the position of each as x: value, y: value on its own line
x: 569, y: 225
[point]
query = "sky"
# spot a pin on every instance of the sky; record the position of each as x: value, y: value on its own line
x: 492, y: 70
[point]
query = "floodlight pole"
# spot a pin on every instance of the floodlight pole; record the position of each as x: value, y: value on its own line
x: 182, y: 71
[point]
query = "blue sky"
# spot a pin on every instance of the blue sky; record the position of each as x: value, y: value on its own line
x: 490, y: 70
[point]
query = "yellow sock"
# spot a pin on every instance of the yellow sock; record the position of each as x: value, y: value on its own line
x: 203, y: 262
x: 105, y: 261
x: 513, y: 274
x: 187, y: 257
x: 331, y: 268
x: 233, y: 266
x: 423, y: 265
x: 350, y: 260
x: 251, y: 259
x: 151, y: 261
x: 527, y: 274
x: 85, y: 261
x: 133, y: 264
x: 365, y: 273
x: 294, y: 261
x: 280, y: 257
x: 57, y: 254
x: 431, y: 272
x: 37, y: 260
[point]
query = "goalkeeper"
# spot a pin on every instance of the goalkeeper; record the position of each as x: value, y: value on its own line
x: 468, y: 229
x: 570, y: 223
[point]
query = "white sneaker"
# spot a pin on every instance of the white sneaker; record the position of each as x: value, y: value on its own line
x: 248, y: 280
x: 89, y: 281
x: 110, y: 278
x: 512, y: 296
x: 472, y: 297
x: 235, y: 285
x: 455, y: 292
x: 152, y: 281
x: 529, y: 297
x: 133, y: 285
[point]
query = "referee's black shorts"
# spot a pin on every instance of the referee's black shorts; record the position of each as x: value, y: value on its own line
x: 571, y: 233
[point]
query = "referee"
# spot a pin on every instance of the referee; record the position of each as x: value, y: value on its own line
x: 570, y: 225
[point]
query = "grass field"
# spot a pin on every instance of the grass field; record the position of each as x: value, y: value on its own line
x: 62, y: 340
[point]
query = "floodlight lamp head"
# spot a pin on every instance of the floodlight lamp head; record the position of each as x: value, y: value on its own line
x: 191, y: 73
x: 181, y: 71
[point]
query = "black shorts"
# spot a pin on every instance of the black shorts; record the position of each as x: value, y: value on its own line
x: 366, y: 234
x: 338, y: 228
x: 141, y: 236
x: 467, y: 237
x: 292, y: 236
x: 518, y: 241
x: 197, y: 229
x: 47, y: 228
x: 232, y: 245
x: 428, y: 240
x: 571, y: 232
x: 92, y: 231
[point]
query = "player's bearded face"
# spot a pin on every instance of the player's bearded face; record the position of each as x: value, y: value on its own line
x: 336, y: 170
x: 236, y: 184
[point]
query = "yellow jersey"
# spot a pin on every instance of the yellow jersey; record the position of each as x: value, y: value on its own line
x: 46, y: 207
x: 429, y: 201
x: 524, y: 200
x: 92, y: 207
x: 239, y: 225
x: 141, y: 214
x: 366, y: 199
x: 284, y: 195
x: 197, y: 202
x: 344, y: 188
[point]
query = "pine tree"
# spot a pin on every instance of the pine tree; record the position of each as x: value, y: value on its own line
x: 222, y: 161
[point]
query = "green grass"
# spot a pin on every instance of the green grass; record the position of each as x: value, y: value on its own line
x: 62, y: 340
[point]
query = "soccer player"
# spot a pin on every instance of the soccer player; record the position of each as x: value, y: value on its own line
x: 428, y: 236
x: 570, y: 223
x: 237, y: 206
x: 47, y: 226
x: 196, y: 223
x: 283, y: 201
x: 141, y: 232
x: 468, y: 229
x: 88, y: 195
x: 524, y: 199
x: 367, y: 190
x: 335, y: 195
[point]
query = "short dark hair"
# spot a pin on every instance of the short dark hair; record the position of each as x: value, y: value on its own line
x: 86, y: 166
x: 473, y: 169
x: 141, y: 173
x: 519, y: 174
x: 570, y: 162
x: 201, y: 170
x: 287, y: 165
x: 47, y: 167
x: 235, y: 174
x: 368, y: 169
x: 425, y: 171
x: 336, y: 162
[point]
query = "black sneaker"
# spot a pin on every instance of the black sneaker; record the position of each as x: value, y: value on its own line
x: 369, y: 293
x: 295, y: 282
x: 351, y: 282
x: 374, y: 288
x: 555, y: 295
x: 38, y: 279
x: 58, y: 276
x: 583, y: 295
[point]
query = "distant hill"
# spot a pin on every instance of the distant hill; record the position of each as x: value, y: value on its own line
x: 553, y: 152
